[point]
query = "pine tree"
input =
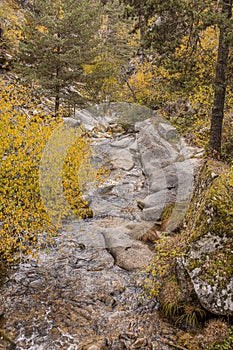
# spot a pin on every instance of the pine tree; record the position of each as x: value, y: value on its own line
x: 10, y: 22
x: 59, y: 37
x: 220, y: 79
x: 166, y: 23
x: 116, y: 49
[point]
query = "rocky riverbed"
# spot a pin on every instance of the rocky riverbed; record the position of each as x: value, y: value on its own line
x: 84, y: 291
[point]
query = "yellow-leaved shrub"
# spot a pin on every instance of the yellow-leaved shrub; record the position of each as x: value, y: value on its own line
x: 26, y: 127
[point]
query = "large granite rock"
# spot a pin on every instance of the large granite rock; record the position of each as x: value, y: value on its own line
x: 122, y: 159
x: 155, y: 203
x: 128, y: 253
x: 212, y: 279
x: 208, y: 259
x: 123, y: 142
x: 168, y: 132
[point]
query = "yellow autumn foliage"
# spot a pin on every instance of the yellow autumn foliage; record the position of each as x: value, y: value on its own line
x: 156, y: 85
x: 150, y: 84
x: 11, y: 19
x: 26, y: 128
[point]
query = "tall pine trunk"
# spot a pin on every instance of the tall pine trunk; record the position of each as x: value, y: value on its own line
x: 220, y: 83
x: 57, y: 102
x: 57, y: 87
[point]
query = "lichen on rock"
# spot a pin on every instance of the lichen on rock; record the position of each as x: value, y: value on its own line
x: 208, y: 258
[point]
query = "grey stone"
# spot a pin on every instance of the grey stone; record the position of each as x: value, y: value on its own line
x: 102, y: 207
x: 123, y: 142
x: 150, y: 138
x: 167, y: 131
x: 128, y: 253
x: 155, y: 151
x: 124, y: 190
x: 139, y: 126
x: 215, y: 295
x: 134, y: 257
x: 117, y: 237
x: 151, y: 164
x: 122, y: 163
x: 133, y: 147
x: 152, y: 214
x: 163, y: 178
x: 159, y: 199
x: 146, y: 142
x: 123, y: 159
x: 121, y: 153
x: 71, y: 122
x: 188, y: 151
x: 138, y: 230
x: 87, y: 119
x: 91, y: 239
x: 185, y: 172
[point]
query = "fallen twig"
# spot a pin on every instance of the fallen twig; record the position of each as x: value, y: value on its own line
x: 4, y: 336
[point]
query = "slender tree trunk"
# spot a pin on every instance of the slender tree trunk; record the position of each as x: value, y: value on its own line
x: 142, y: 35
x: 57, y: 101
x: 220, y: 83
x: 57, y: 88
x: 131, y: 89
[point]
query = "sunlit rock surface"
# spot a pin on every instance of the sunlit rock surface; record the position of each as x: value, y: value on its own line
x: 82, y: 292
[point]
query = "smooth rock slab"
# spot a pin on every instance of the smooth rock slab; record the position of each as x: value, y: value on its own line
x: 123, y: 159
x: 160, y: 147
x: 91, y: 240
x: 128, y: 253
x: 106, y: 206
x: 159, y: 199
x: 125, y: 190
x: 123, y: 142
x: 133, y: 257
x: 87, y: 120
x: 214, y: 290
x: 185, y: 174
x: 155, y: 159
x: 117, y: 237
x: 152, y: 214
x: 168, y: 132
x: 162, y: 179
x: 188, y: 151
x: 122, y: 163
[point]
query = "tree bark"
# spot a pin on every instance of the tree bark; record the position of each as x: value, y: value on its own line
x: 57, y: 103
x: 220, y: 83
x: 57, y: 88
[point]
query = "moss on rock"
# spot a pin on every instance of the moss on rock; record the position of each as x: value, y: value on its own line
x: 208, y: 257
x: 211, y: 209
x: 195, y: 267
